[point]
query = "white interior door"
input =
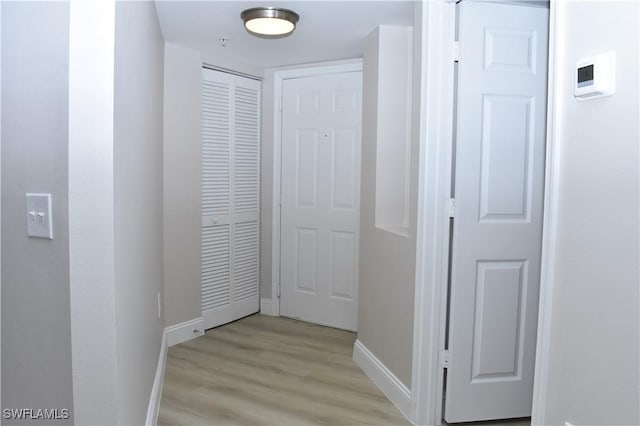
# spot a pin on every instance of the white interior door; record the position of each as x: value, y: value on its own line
x: 321, y: 128
x: 499, y: 182
x: 230, y: 197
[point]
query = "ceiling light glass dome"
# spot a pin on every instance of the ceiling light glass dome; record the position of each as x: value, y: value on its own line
x: 269, y: 22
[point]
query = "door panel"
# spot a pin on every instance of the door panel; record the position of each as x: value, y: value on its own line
x: 307, y: 168
x: 498, y: 223
x: 320, y: 198
x: 344, y: 265
x: 345, y: 169
x: 506, y: 172
x: 306, y: 261
x: 497, y: 344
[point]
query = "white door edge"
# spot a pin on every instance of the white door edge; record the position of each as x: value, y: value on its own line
x: 280, y: 75
x: 550, y: 215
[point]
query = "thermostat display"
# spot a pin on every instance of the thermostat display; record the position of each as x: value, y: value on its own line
x: 585, y: 76
x: 595, y: 77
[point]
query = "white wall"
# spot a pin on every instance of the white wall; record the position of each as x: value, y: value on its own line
x: 387, y: 260
x: 181, y: 175
x: 137, y: 155
x: 91, y: 209
x: 593, y: 356
x: 393, y: 59
x: 36, y: 358
x: 115, y: 207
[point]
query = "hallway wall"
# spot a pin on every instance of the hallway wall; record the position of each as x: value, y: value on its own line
x: 594, y: 374
x: 137, y: 155
x: 115, y: 216
x: 387, y: 258
x: 36, y: 336
x: 181, y: 192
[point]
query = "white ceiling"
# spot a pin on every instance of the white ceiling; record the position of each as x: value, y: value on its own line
x: 327, y: 30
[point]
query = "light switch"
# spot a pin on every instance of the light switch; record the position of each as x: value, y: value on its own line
x: 39, y: 221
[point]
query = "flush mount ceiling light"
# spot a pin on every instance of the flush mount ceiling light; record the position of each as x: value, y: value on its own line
x: 269, y: 22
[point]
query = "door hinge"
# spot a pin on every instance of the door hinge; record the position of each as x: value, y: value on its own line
x: 444, y: 359
x: 451, y: 207
x: 278, y: 292
x: 456, y: 51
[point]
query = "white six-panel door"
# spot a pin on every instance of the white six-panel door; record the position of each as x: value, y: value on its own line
x: 230, y: 197
x: 498, y: 220
x: 321, y: 131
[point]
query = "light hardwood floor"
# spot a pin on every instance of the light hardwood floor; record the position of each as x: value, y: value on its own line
x: 265, y: 370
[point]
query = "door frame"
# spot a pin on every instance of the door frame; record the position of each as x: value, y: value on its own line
x: 432, y: 239
x: 550, y: 215
x: 434, y: 186
x: 279, y: 75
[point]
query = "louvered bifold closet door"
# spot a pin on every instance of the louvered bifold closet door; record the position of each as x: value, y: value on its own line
x: 230, y: 197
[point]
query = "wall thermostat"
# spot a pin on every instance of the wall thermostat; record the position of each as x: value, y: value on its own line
x: 595, y: 77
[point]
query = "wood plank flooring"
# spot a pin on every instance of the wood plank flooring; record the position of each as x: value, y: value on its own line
x: 265, y: 370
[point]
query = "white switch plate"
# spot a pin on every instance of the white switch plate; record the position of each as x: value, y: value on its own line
x: 39, y: 221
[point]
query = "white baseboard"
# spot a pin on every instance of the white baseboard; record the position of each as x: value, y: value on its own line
x: 379, y: 374
x: 156, y: 390
x: 184, y: 331
x: 266, y: 307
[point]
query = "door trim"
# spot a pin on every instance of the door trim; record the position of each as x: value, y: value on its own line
x: 550, y: 214
x: 432, y: 235
x: 279, y: 76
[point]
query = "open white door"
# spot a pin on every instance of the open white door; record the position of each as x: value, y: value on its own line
x: 499, y: 182
x: 320, y: 224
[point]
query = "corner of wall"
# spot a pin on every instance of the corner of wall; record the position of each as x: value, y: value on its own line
x: 387, y: 242
x: 383, y: 378
x: 156, y: 390
x: 92, y: 285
